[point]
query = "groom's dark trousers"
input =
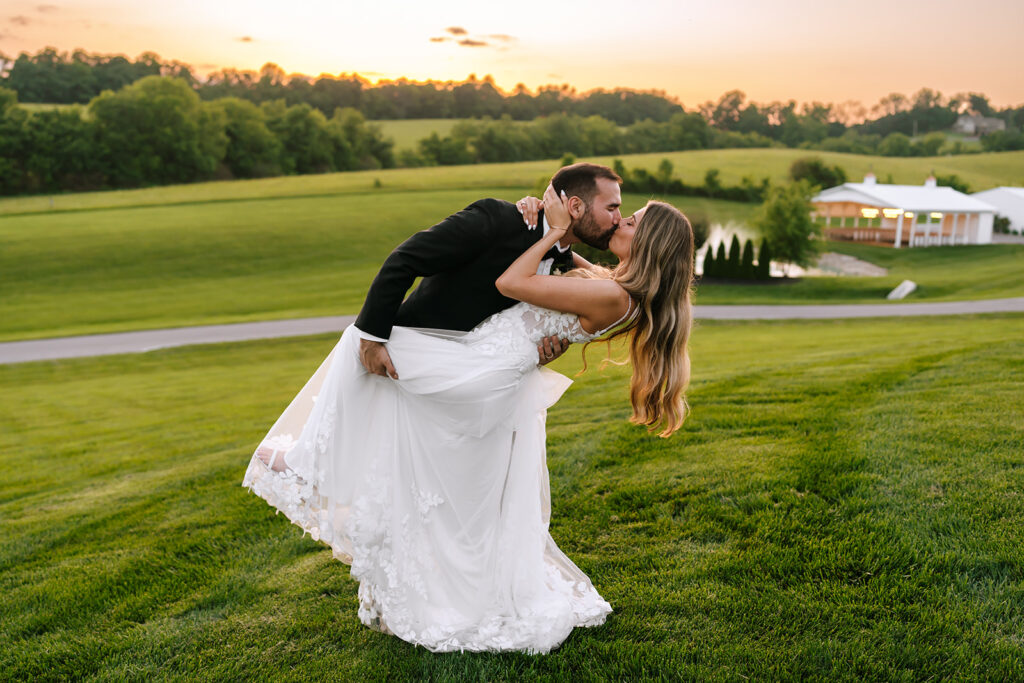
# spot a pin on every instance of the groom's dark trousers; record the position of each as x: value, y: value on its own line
x: 459, y: 260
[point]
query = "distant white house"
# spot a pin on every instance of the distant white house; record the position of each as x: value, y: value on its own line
x: 1009, y: 202
x: 978, y: 125
x: 903, y: 215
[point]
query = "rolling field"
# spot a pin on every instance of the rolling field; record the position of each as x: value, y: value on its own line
x: 408, y: 132
x: 84, y: 272
x: 304, y: 246
x: 41, y: 106
x: 844, y: 503
x: 982, y: 171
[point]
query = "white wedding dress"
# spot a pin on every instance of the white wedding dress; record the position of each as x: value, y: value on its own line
x: 434, y: 487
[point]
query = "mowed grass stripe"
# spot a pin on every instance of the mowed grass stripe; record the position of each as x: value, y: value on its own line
x: 843, y: 503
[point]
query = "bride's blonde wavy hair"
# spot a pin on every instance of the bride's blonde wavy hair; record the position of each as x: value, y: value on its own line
x: 658, y: 275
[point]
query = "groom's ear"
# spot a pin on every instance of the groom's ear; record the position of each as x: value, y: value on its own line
x: 576, y: 207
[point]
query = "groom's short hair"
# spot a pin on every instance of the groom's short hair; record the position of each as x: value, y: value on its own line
x: 580, y: 180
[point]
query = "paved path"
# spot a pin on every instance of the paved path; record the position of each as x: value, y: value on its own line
x: 149, y: 340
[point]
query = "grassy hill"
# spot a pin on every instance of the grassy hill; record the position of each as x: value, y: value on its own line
x: 982, y: 171
x: 842, y: 504
x: 310, y: 245
x: 408, y: 132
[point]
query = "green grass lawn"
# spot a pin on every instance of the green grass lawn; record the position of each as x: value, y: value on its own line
x: 844, y: 503
x: 408, y: 132
x: 91, y: 271
x: 301, y: 246
x: 42, y: 106
x: 941, y: 273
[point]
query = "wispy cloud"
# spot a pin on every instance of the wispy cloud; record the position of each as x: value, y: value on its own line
x: 46, y: 8
x: 456, y: 30
x: 503, y: 37
x: 469, y: 42
x: 439, y: 39
x: 20, y: 20
x: 245, y: 39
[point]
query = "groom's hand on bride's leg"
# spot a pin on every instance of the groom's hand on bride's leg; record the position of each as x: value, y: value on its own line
x: 551, y: 348
x: 375, y: 358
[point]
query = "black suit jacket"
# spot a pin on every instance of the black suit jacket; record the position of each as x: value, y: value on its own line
x: 459, y: 260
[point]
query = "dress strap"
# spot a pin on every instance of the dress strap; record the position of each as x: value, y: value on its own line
x: 629, y: 311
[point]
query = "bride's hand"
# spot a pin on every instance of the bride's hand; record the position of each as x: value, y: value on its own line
x: 530, y: 208
x: 556, y: 210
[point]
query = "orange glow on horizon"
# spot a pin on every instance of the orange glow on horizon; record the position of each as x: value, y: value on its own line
x: 796, y: 50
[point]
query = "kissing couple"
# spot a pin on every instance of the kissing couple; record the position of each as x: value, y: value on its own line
x: 417, y: 449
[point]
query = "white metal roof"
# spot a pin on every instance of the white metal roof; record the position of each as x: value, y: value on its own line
x: 906, y: 197
x: 1012, y: 191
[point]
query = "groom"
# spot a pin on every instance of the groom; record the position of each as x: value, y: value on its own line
x: 460, y: 258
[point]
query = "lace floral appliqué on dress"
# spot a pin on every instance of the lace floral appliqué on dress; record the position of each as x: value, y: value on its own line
x: 434, y: 487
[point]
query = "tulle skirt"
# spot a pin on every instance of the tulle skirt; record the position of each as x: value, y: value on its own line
x: 434, y: 487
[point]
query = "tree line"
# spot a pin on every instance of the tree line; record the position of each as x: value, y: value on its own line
x: 157, y: 131
x: 893, y: 127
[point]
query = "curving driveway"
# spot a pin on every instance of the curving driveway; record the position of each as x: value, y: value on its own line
x: 149, y: 340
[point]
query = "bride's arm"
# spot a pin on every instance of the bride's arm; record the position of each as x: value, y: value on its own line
x: 598, y: 303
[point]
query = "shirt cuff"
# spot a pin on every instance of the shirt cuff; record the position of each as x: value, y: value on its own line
x: 370, y: 337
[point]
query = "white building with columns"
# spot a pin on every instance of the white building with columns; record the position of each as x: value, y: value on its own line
x: 903, y: 215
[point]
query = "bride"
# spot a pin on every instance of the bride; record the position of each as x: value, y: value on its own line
x: 434, y: 487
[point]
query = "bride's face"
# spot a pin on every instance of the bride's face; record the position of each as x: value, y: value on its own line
x: 623, y: 237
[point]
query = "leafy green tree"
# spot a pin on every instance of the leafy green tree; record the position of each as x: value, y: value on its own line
x: 560, y: 134
x: 701, y: 226
x: 61, y: 152
x: 747, y: 262
x: 619, y: 168
x: 712, y: 185
x: 1003, y: 141
x: 154, y: 131
x: 307, y: 145
x: 929, y: 145
x: 600, y: 135
x: 785, y: 221
x: 13, y: 142
x: 252, y: 150
x: 895, y: 145
x: 688, y: 131
x: 369, y: 148
x: 445, y: 151
x: 817, y: 172
x: 502, y: 140
x: 663, y: 176
x: 954, y: 181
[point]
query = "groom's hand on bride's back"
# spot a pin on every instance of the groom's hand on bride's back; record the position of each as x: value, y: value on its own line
x: 551, y: 348
x: 375, y: 358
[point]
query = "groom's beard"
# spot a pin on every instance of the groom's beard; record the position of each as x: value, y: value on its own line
x: 589, y: 232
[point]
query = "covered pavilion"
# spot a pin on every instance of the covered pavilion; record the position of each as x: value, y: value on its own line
x: 902, y: 215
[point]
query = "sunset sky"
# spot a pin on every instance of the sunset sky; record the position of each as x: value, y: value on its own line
x: 790, y: 49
